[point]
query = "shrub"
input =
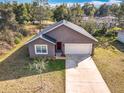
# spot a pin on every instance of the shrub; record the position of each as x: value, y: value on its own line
x: 19, y: 35
x: 113, y: 31
x: 110, y: 34
x: 24, y: 32
x: 89, y: 26
x: 39, y: 65
x: 98, y: 33
x: 7, y: 35
x: 17, y: 40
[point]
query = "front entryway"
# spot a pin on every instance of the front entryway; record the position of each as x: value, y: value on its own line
x: 59, y: 49
x: 59, y: 46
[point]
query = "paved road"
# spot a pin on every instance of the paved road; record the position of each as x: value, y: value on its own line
x: 82, y: 76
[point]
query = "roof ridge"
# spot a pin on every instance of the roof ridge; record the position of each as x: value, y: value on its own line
x: 71, y: 25
x: 83, y: 30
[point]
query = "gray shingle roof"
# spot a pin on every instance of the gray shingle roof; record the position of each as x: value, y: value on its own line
x: 70, y: 25
x: 51, y: 26
x: 49, y: 38
x: 80, y: 30
x: 66, y: 23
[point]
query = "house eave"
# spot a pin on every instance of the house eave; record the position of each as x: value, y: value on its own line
x: 40, y: 38
x: 64, y: 23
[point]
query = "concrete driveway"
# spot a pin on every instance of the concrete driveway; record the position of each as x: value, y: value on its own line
x: 82, y: 76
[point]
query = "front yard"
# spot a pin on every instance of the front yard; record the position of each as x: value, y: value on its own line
x: 110, y: 62
x: 16, y: 76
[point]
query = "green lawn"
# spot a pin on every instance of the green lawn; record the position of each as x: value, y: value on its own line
x: 110, y: 62
x: 16, y: 77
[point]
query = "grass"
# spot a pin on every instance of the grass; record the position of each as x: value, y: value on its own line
x: 15, y: 77
x: 110, y: 62
x: 4, y: 56
x: 30, y: 27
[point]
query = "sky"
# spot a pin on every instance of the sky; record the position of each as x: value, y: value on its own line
x: 70, y: 2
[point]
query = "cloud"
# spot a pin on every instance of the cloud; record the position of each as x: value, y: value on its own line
x: 68, y: 4
x: 96, y: 3
x: 114, y: 2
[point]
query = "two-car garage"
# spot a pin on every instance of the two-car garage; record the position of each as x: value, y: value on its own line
x: 71, y: 48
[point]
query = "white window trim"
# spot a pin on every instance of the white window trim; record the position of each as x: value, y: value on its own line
x: 41, y: 46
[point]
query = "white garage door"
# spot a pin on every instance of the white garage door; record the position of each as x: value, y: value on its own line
x: 78, y: 48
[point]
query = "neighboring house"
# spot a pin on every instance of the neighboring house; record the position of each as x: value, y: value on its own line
x: 61, y: 38
x: 120, y: 36
x: 110, y: 21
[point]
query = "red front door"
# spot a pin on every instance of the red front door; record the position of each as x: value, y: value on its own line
x: 59, y: 45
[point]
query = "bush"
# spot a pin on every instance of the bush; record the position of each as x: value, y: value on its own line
x: 113, y: 31
x: 19, y: 35
x: 7, y: 35
x: 89, y: 26
x: 24, y: 32
x: 98, y: 33
x: 39, y: 65
x: 110, y: 34
x: 17, y: 40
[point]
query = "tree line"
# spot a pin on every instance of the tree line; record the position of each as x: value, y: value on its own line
x: 76, y: 11
x: 28, y: 12
x: 14, y: 15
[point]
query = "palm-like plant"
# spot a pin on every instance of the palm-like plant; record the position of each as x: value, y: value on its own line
x: 39, y: 65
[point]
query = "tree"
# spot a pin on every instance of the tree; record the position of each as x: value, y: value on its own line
x: 7, y: 35
x: 22, y: 15
x: 8, y: 26
x: 40, y: 2
x: 48, y: 13
x: 121, y: 15
x: 103, y: 10
x: 28, y: 7
x: 7, y: 18
x: 76, y: 14
x: 89, y: 26
x: 114, y: 9
x: 61, y: 12
x: 40, y: 12
x: 89, y: 9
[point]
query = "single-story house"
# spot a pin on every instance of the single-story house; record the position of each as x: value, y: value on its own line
x: 120, y: 36
x: 61, y: 38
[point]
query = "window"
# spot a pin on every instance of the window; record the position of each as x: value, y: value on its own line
x: 41, y: 49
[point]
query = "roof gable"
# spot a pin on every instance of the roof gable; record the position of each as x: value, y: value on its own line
x: 70, y: 25
x: 41, y: 37
x: 58, y: 24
